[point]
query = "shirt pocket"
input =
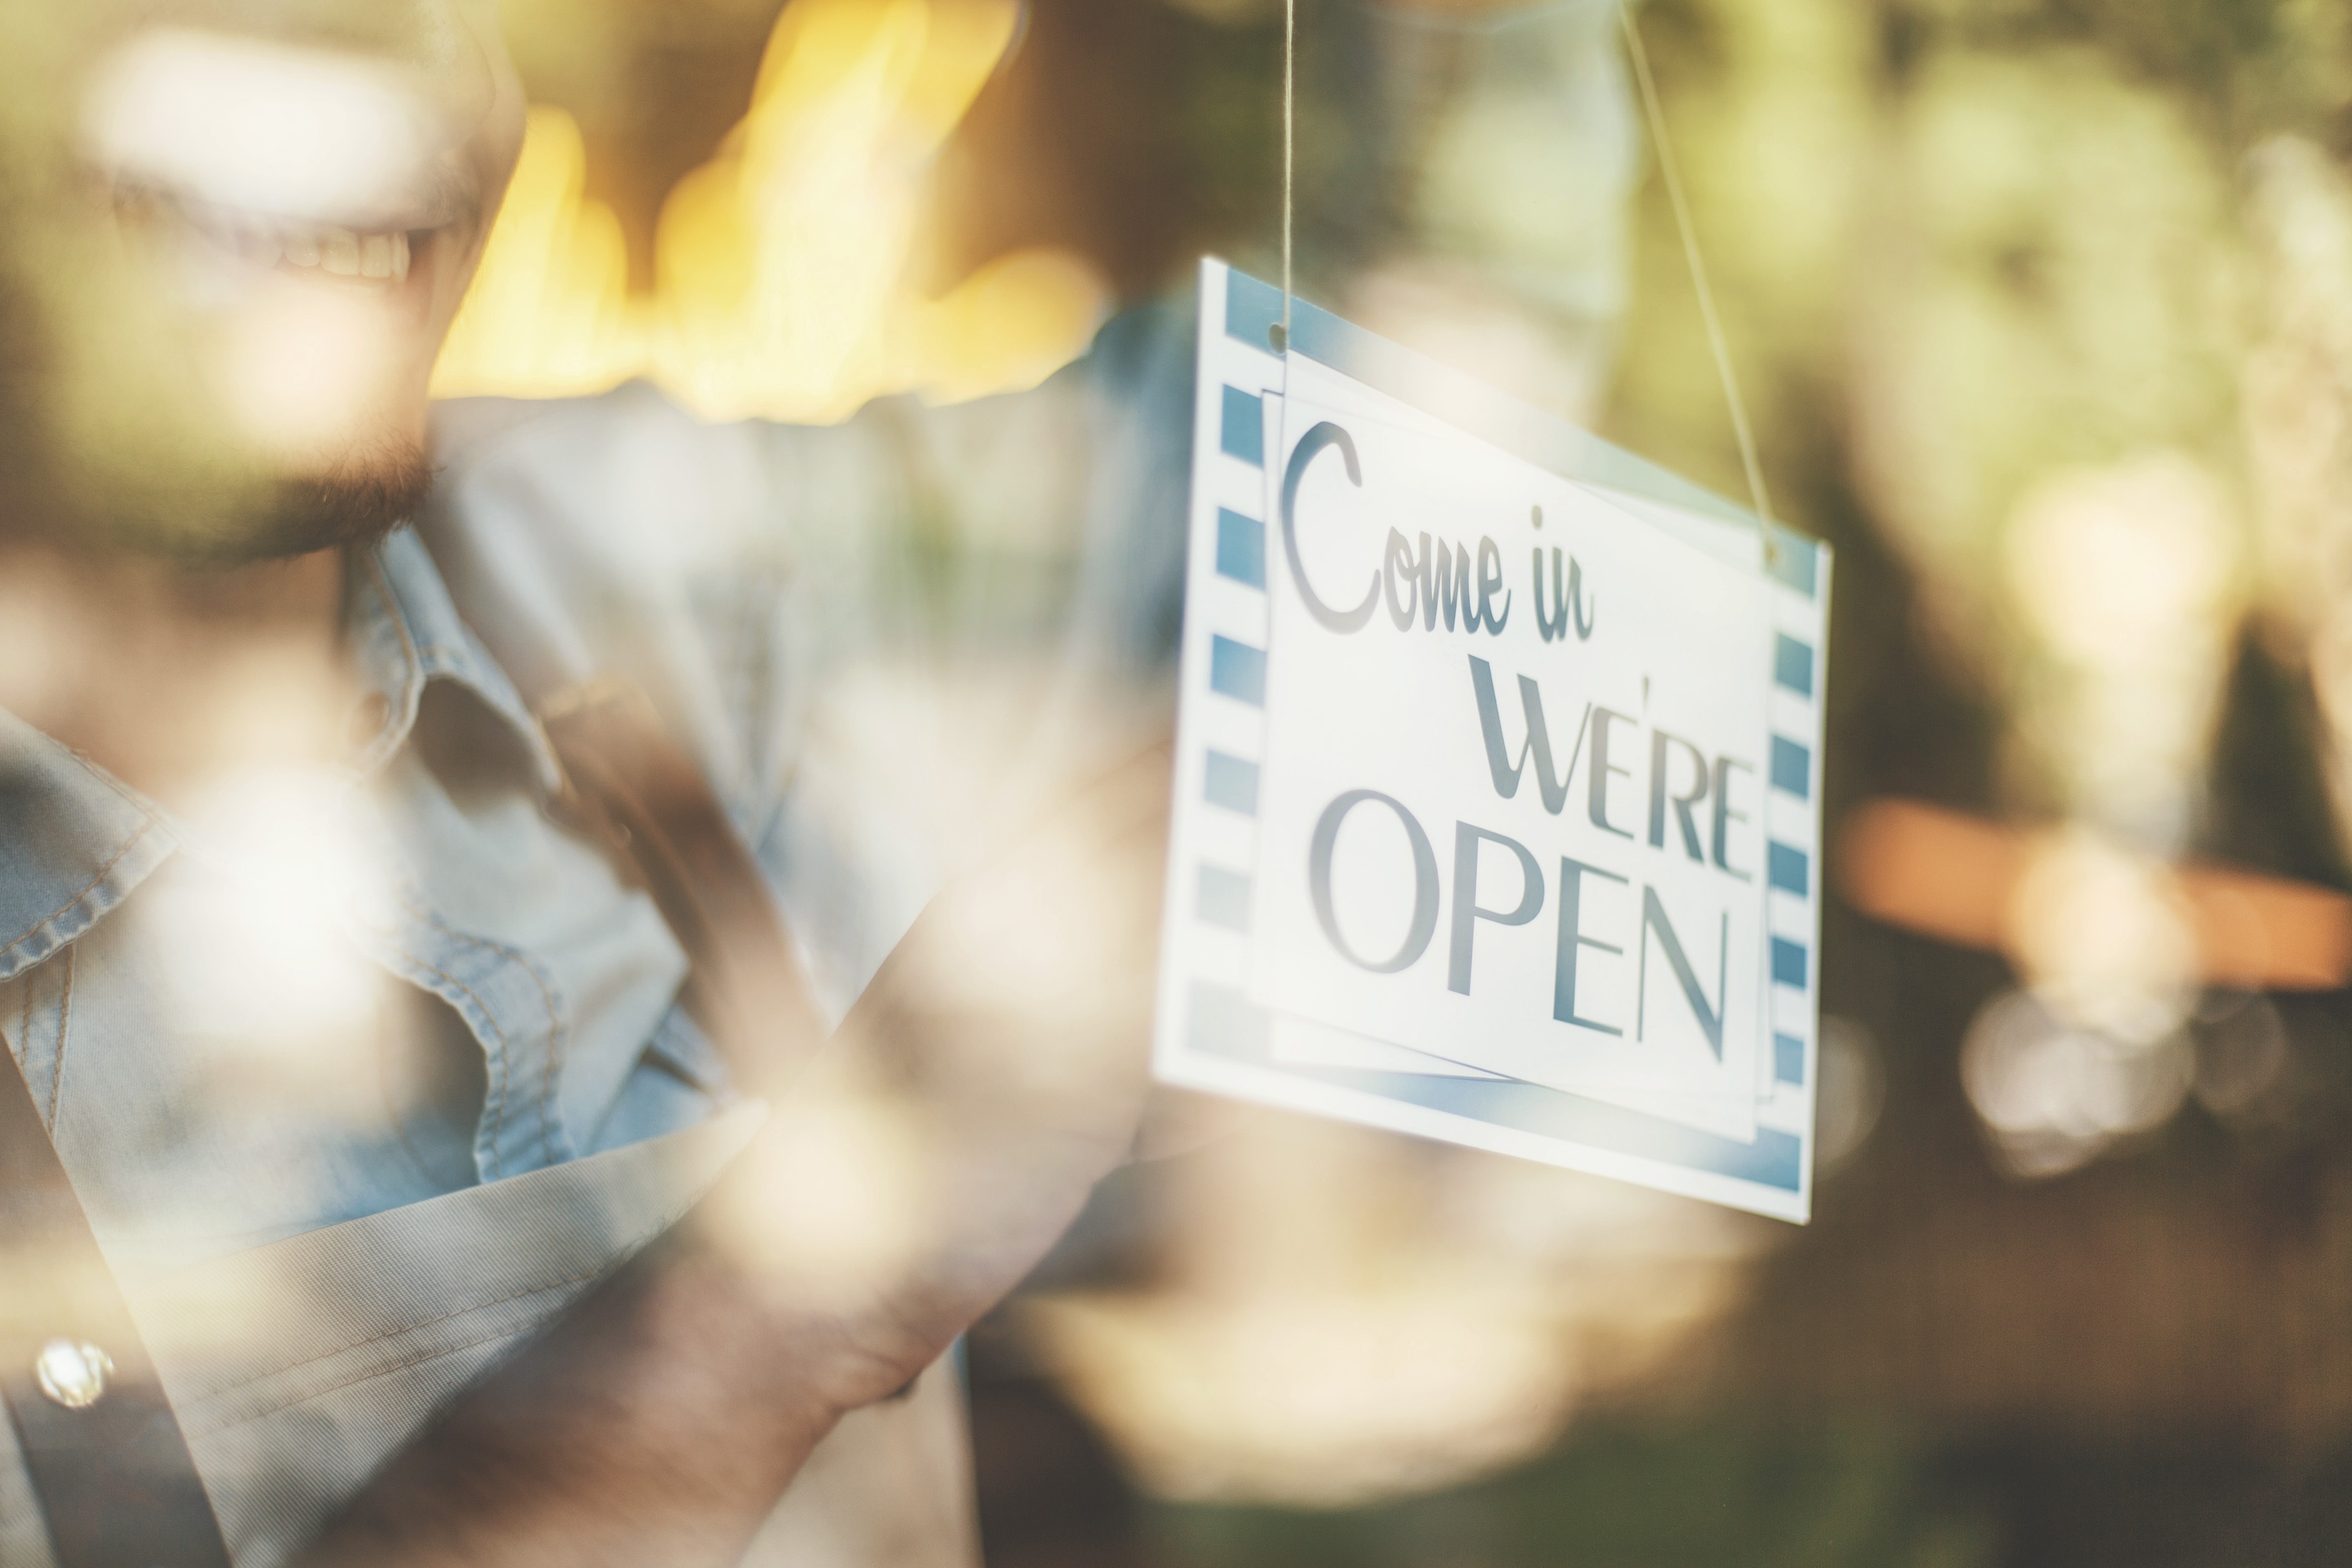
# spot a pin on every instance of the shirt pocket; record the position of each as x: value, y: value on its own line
x: 298, y: 1368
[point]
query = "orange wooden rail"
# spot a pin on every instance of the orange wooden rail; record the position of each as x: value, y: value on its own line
x: 1954, y: 876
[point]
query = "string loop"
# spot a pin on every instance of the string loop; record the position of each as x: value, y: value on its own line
x: 1289, y: 141
x: 1740, y: 430
x: 1672, y: 173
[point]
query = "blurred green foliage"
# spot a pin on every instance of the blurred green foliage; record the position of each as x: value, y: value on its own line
x: 1618, y: 1496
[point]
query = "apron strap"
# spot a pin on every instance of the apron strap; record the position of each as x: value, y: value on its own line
x: 105, y: 1454
x: 640, y: 791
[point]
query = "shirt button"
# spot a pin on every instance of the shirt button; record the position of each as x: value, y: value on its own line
x: 73, y: 1375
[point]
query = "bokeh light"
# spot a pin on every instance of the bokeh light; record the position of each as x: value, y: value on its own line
x: 785, y: 280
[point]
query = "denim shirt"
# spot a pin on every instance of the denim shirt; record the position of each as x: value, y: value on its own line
x: 185, y: 1137
x: 332, y: 1201
x: 883, y: 641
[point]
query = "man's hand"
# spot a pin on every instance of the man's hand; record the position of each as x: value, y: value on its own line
x: 1020, y: 1006
x: 995, y: 1071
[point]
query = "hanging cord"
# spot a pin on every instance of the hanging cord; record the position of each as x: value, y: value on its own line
x: 1715, y: 343
x: 1289, y: 147
x: 1740, y: 431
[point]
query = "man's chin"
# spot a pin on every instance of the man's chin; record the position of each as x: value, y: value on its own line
x: 356, y: 502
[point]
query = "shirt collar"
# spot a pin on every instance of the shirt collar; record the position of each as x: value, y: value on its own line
x: 77, y: 840
x: 407, y: 633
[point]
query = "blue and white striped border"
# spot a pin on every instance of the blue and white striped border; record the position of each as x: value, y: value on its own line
x: 1210, y: 1035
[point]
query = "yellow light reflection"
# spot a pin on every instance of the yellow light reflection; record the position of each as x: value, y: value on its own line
x: 549, y: 313
x: 782, y: 287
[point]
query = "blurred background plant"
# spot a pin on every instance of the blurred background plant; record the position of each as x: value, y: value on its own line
x: 2044, y: 309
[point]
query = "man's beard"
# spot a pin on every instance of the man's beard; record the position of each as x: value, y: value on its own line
x: 356, y: 503
x: 221, y: 510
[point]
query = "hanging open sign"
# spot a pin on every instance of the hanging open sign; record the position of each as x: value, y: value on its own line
x: 1498, y: 804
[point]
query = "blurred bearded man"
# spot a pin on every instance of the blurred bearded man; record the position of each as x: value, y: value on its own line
x: 540, y: 1000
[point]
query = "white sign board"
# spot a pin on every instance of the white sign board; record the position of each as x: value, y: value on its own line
x: 1498, y: 777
